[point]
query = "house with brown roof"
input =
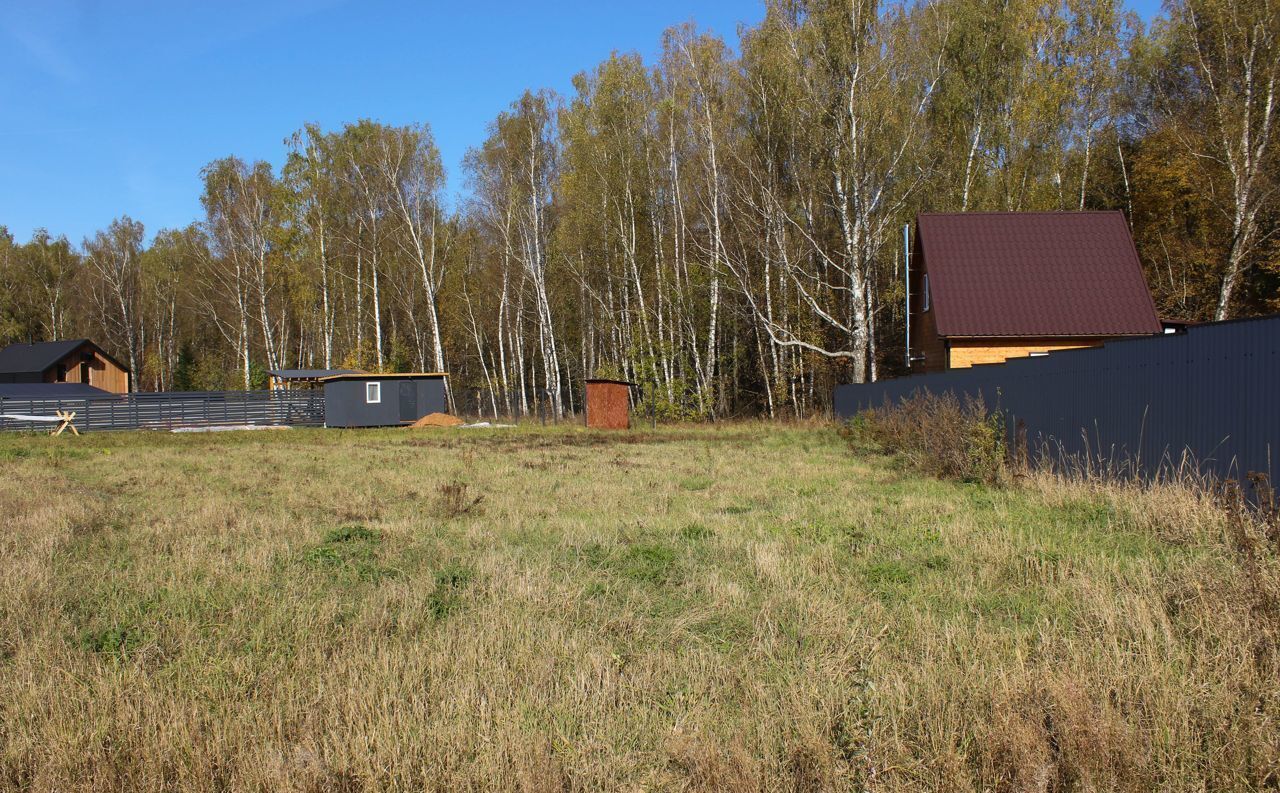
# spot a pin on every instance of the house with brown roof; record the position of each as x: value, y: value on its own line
x: 989, y: 286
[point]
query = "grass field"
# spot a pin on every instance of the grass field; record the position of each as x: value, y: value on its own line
x: 746, y: 607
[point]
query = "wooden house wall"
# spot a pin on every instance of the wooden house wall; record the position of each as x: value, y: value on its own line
x: 925, y: 340
x: 968, y: 352
x: 102, y: 373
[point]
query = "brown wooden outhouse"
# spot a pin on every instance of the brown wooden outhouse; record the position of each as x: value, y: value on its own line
x: 609, y: 404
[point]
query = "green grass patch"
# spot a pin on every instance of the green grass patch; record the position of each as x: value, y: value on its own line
x: 349, y: 552
x: 695, y: 531
x: 696, y: 484
x: 647, y: 563
x: 451, y: 583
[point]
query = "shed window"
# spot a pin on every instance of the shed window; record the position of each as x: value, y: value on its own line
x: 372, y: 393
x: 926, y: 292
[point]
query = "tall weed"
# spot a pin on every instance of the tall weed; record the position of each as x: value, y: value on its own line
x: 938, y: 434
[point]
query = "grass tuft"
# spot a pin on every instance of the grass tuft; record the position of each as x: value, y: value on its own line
x: 695, y: 532
x: 648, y: 563
x: 450, y: 584
x: 696, y: 483
x: 454, y: 501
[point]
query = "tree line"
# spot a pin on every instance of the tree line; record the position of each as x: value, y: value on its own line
x: 723, y: 228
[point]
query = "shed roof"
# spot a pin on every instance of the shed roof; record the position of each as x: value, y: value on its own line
x: 380, y: 376
x: 1035, y: 274
x: 609, y: 380
x: 308, y: 374
x: 50, y: 391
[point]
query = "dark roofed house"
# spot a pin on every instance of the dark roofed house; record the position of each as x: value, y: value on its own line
x: 986, y: 287
x: 71, y: 361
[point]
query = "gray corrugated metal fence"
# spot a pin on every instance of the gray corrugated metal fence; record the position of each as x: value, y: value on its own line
x: 1209, y: 396
x: 173, y: 409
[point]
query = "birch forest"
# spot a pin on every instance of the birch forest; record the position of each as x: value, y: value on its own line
x: 722, y: 225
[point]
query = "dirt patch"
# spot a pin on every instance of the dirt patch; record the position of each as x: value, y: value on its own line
x: 436, y: 420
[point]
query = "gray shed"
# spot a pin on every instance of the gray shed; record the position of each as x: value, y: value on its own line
x: 382, y: 400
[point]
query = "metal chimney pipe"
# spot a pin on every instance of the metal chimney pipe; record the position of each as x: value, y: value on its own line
x: 906, y: 266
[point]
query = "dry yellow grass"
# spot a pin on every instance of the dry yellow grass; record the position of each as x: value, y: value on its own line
x: 741, y: 608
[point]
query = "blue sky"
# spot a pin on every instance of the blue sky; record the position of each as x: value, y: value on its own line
x: 111, y: 108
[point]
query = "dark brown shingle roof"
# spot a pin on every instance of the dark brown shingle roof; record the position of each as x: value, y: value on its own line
x: 1035, y: 274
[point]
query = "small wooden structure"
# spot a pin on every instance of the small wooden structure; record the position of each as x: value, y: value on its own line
x: 609, y: 404
x: 70, y: 361
x: 66, y: 417
x: 62, y: 418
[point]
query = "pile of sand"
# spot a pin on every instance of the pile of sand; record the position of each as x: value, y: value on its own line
x: 436, y: 420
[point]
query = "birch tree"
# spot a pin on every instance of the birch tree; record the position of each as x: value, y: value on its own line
x: 50, y: 267
x: 113, y: 257
x: 309, y: 181
x: 237, y: 201
x: 863, y: 95
x: 1218, y: 92
x: 517, y: 168
x: 412, y: 176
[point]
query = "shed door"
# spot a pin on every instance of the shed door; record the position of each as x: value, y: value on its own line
x: 409, y: 401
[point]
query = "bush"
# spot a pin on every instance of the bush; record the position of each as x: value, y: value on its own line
x: 938, y: 434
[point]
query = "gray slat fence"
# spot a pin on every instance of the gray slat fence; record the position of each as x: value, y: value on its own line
x: 173, y: 409
x: 1209, y: 397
